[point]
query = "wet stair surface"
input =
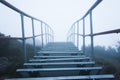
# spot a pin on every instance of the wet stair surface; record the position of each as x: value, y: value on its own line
x: 61, y: 61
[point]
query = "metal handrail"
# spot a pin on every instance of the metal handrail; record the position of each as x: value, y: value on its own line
x: 25, y: 14
x: 105, y: 32
x: 72, y: 33
x: 49, y: 34
x: 11, y: 38
x: 90, y: 9
x: 18, y: 10
x: 87, y: 13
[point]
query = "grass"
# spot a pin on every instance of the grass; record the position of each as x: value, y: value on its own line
x: 110, y: 66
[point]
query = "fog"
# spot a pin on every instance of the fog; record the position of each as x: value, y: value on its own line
x: 60, y: 14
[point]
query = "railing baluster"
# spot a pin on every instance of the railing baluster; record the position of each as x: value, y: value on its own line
x: 23, y: 38
x: 52, y: 36
x: 83, y: 35
x: 78, y: 34
x: 42, y: 33
x: 48, y: 33
x: 45, y: 34
x: 33, y: 33
x: 72, y: 33
x: 91, y: 31
x: 23, y: 14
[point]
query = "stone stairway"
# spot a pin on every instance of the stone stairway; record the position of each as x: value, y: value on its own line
x: 61, y: 61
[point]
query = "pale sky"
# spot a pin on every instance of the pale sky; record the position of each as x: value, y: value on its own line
x: 60, y: 14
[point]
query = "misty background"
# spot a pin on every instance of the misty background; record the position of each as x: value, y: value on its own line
x: 60, y: 14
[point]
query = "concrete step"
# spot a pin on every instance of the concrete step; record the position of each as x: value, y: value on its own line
x: 60, y: 59
x: 57, y: 69
x: 45, y: 57
x: 86, y: 77
x: 60, y: 63
x: 58, y: 52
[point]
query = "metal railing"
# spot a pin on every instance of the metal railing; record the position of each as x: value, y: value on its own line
x: 46, y: 36
x: 74, y: 34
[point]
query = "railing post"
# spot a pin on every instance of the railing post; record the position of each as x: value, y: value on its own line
x: 46, y: 33
x: 52, y: 36
x: 91, y: 30
x: 70, y: 34
x: 73, y: 34
x: 78, y: 34
x: 33, y: 32
x: 83, y: 35
x: 23, y: 38
x: 49, y: 34
x: 42, y: 33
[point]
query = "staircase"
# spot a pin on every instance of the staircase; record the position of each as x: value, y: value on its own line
x: 61, y: 61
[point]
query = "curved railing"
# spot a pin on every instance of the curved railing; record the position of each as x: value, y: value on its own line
x: 74, y: 34
x: 47, y: 34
